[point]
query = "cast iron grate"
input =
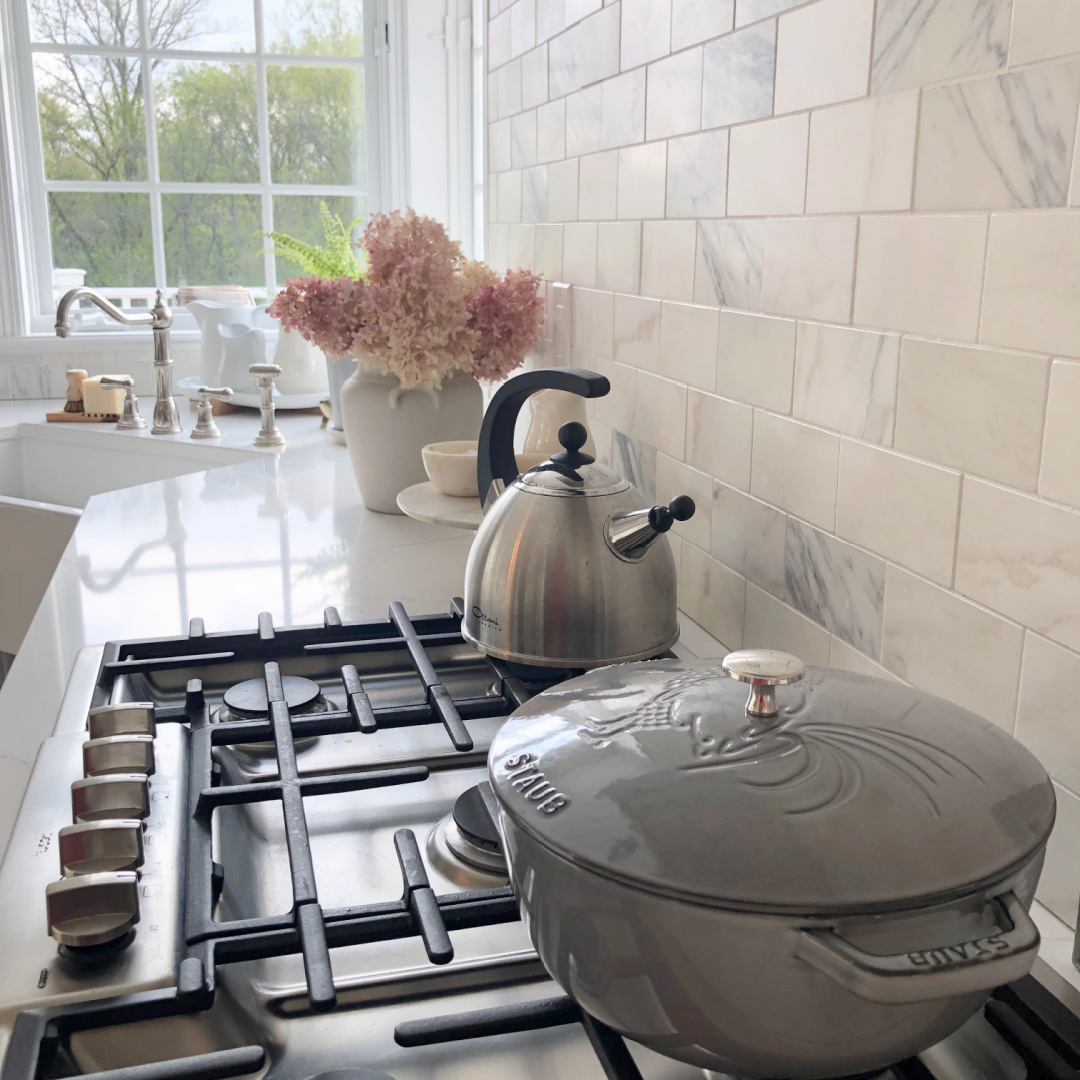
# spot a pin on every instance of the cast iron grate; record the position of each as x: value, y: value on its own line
x: 1043, y: 1032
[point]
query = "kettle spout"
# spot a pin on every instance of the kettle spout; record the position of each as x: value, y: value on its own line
x: 631, y: 534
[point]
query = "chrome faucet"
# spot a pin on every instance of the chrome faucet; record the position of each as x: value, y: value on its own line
x: 159, y: 319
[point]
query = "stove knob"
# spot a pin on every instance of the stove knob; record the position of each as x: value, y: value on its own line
x: 118, y: 754
x: 129, y: 718
x: 96, y: 847
x: 93, y: 908
x: 116, y: 796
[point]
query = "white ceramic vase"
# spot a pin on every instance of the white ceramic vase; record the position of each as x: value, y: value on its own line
x: 386, y: 427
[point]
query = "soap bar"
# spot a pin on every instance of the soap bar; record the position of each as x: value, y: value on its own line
x: 99, y: 400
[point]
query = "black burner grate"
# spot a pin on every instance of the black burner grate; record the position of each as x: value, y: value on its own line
x: 1043, y: 1032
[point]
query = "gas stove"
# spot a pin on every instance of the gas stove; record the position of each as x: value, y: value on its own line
x: 284, y: 864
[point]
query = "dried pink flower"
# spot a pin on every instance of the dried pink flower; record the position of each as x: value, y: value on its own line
x: 324, y: 311
x: 509, y: 315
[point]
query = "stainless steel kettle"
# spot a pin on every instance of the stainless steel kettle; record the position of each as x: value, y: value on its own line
x: 570, y: 566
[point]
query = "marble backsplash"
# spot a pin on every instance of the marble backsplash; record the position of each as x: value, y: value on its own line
x: 35, y: 376
x: 828, y: 253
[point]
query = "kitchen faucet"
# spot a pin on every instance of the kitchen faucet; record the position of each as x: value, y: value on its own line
x: 159, y: 319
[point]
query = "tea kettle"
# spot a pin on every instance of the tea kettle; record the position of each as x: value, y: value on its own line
x: 570, y: 567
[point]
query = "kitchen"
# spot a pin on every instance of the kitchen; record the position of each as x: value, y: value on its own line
x: 825, y: 255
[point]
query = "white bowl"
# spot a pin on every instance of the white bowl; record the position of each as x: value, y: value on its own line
x: 451, y: 466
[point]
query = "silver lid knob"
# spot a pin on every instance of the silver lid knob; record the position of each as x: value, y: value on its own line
x: 128, y: 718
x: 93, y: 908
x: 118, y: 754
x: 119, y: 795
x: 764, y: 670
x: 96, y: 847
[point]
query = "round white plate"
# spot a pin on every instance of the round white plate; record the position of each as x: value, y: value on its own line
x: 281, y: 401
x: 426, y: 502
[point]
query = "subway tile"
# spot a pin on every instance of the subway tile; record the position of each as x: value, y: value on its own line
x: 1059, y: 885
x: 674, y: 99
x: 584, y: 111
x: 642, y: 175
x: 737, y: 76
x: 498, y: 43
x: 623, y: 110
x: 497, y: 248
x: 712, y: 595
x: 534, y: 78
x: 978, y: 410
x: 845, y: 380
x: 771, y: 624
x: 509, y: 88
x: 584, y: 54
x: 697, y: 175
x: 499, y: 151
x: 522, y: 27
x: 1059, y: 477
x: 917, y: 42
x: 767, y: 167
x: 1074, y: 183
x: 523, y: 140
x: 1046, y: 711
x: 667, y: 259
x: 750, y: 11
x: 618, y: 256
x: 522, y: 246
x: 749, y: 536
x: 756, y: 359
x: 843, y: 657
x: 674, y: 478
x: 794, y: 466
x: 550, y: 18
x: 637, y: 331
x: 510, y: 196
x: 903, y: 509
x: 547, y: 260
x: 578, y: 9
x: 563, y: 190
x: 598, y: 179
x: 1042, y: 29
x: 718, y: 437
x: 1032, y: 292
x: 730, y: 263
x: 862, y: 155
x: 698, y: 20
x: 1020, y: 556
x: 492, y: 192
x: 551, y: 131
x: 823, y: 53
x: 688, y: 335
x: 836, y: 585
x: 493, y: 95
x: 999, y: 142
x: 579, y: 253
x: 646, y: 31
x: 637, y: 462
x: 534, y: 194
x: 942, y: 643
x: 615, y: 408
x: 921, y: 273
x: 29, y: 381
x: 660, y: 413
x: 809, y: 267
x: 594, y: 322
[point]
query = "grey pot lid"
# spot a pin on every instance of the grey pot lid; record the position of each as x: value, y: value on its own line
x: 571, y: 471
x: 859, y: 794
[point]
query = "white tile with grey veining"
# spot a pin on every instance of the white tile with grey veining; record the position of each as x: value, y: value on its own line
x: 637, y: 462
x: 534, y: 194
x: 730, y: 263
x: 697, y: 175
x: 523, y: 140
x: 585, y: 53
x: 623, y: 110
x: 29, y: 381
x: 748, y: 11
x: 999, y: 142
x: 583, y: 121
x: 674, y: 98
x: 836, y: 585
x: 738, y: 76
x: 917, y: 42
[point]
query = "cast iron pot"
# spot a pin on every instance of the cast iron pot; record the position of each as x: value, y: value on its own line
x: 818, y: 881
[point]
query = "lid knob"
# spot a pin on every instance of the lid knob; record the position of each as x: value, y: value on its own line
x: 764, y: 670
x: 573, y: 437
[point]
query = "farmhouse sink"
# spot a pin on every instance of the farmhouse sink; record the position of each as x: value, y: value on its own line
x: 48, y: 473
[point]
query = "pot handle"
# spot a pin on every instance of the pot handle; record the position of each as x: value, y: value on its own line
x: 927, y: 974
x: 495, y: 455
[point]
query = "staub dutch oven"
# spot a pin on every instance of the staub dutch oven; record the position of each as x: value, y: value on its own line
x: 819, y: 880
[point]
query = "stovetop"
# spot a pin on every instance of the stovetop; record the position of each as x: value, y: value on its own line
x: 302, y: 908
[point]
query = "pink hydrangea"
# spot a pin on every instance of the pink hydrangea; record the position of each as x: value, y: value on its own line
x: 509, y: 315
x: 324, y: 311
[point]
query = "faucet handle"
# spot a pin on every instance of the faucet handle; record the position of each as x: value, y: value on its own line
x: 131, y: 418
x: 205, y: 427
x: 266, y: 375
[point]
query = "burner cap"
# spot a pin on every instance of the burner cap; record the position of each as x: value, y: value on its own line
x: 248, y: 699
x: 474, y: 822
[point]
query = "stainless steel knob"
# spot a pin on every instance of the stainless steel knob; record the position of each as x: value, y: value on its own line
x: 93, y: 908
x: 118, y: 754
x: 129, y: 718
x: 131, y: 419
x: 205, y: 427
x: 117, y: 796
x: 97, y: 847
x: 266, y: 375
x: 764, y: 670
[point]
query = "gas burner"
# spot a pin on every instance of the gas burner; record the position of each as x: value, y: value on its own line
x: 247, y: 701
x: 465, y: 845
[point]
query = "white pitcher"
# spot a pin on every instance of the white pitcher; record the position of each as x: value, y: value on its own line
x: 243, y: 346
x: 210, y: 314
x: 303, y: 366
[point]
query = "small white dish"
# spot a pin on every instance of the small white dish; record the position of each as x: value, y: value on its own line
x: 451, y: 467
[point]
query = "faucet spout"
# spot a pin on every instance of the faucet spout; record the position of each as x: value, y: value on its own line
x: 148, y: 318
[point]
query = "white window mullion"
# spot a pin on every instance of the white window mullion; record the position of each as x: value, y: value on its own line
x: 157, y: 227
x: 263, y: 110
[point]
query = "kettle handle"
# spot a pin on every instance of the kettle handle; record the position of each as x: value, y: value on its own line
x: 495, y: 455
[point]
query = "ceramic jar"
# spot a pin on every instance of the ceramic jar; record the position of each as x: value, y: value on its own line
x: 386, y: 427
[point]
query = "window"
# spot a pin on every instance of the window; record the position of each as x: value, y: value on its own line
x: 173, y: 131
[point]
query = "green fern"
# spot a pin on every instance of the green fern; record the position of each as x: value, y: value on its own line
x: 333, y: 259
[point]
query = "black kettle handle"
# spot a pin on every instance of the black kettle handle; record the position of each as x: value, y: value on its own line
x: 495, y: 456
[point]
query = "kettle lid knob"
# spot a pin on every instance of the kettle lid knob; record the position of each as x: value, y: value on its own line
x: 573, y: 437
